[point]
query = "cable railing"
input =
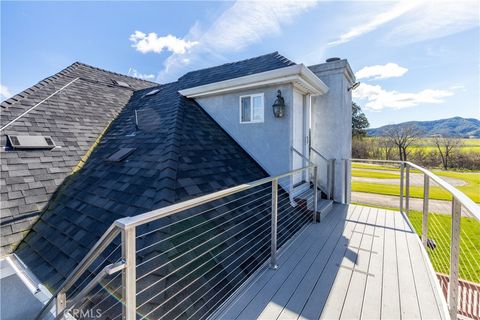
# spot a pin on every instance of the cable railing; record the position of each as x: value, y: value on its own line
x: 184, y: 260
x: 446, y: 220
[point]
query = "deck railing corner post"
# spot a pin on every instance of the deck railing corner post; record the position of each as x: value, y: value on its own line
x: 402, y: 178
x: 61, y: 302
x: 129, y: 278
x: 274, y: 218
x: 454, y: 259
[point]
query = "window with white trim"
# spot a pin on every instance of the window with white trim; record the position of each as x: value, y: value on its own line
x: 251, y: 108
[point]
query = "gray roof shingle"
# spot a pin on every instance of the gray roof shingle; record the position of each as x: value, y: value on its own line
x: 180, y: 153
x: 75, y: 117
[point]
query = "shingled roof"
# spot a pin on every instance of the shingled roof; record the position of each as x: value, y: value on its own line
x: 86, y: 102
x: 177, y: 152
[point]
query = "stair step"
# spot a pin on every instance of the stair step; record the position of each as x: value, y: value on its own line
x: 324, y: 206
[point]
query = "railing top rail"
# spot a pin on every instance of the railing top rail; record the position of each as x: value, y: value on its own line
x: 302, y: 155
x: 93, y: 254
x: 319, y: 154
x: 466, y: 202
x: 129, y: 222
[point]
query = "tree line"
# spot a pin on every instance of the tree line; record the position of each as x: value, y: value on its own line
x: 398, y: 141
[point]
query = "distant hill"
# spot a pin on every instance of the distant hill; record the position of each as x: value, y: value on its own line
x: 452, y: 127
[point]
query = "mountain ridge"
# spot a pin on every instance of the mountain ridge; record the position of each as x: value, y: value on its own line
x: 452, y: 127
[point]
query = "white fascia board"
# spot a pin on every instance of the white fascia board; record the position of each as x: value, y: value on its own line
x: 292, y: 74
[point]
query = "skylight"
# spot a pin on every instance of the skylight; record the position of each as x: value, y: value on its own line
x: 31, y: 142
x: 121, y: 154
x: 121, y: 83
x: 151, y: 93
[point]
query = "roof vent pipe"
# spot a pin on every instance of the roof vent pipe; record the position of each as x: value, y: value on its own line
x: 332, y: 59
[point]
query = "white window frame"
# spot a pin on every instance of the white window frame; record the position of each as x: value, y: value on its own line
x: 251, y: 96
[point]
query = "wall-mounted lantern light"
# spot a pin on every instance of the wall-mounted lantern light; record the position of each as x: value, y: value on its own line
x: 279, y: 106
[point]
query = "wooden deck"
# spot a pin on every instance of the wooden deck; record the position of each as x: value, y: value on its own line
x: 359, y: 262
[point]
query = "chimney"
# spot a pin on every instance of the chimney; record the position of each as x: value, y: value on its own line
x: 332, y: 120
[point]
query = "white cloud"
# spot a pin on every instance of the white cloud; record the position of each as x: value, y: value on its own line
x: 241, y: 25
x: 378, y: 98
x: 435, y: 19
x: 134, y: 73
x: 376, y: 21
x: 5, y: 92
x: 410, y: 21
x: 153, y: 43
x: 389, y: 70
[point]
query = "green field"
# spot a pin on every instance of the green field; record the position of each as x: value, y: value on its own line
x: 471, y: 189
x: 439, y: 231
x: 428, y: 144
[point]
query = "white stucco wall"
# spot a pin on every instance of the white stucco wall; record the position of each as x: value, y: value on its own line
x: 332, y: 119
x: 268, y: 142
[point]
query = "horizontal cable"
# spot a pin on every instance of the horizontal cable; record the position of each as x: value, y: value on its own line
x: 214, y: 237
x: 206, y: 221
x: 200, y: 213
x: 194, y: 303
x: 203, y: 264
x: 197, y: 257
x: 95, y: 270
x: 179, y: 268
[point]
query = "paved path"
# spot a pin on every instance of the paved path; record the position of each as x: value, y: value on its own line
x: 380, y: 200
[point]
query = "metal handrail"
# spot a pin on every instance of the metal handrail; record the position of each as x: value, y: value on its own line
x: 93, y: 254
x: 466, y: 202
x: 127, y: 226
x: 188, y: 204
x: 459, y: 201
x: 319, y: 154
x: 302, y: 155
x: 106, y: 271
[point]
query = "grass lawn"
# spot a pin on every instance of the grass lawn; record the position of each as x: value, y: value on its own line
x: 471, y: 189
x: 439, y: 231
x: 374, y: 174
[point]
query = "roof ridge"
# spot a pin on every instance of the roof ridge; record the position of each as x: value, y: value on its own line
x: 34, y: 88
x: 238, y: 61
x: 78, y: 63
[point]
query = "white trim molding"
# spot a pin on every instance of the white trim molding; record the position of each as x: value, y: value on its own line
x: 300, y: 76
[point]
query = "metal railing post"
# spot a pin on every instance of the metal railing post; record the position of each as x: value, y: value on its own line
x: 402, y: 174
x: 346, y: 182
x: 328, y: 179
x: 426, y: 190
x: 315, y: 194
x: 60, y: 302
x: 333, y: 180
x: 407, y: 189
x: 129, y: 278
x: 273, y: 257
x: 454, y: 257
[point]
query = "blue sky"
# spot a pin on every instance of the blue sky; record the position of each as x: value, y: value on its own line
x: 416, y: 60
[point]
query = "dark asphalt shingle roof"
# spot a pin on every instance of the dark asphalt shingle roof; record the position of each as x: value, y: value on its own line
x: 180, y: 153
x: 74, y: 118
x: 233, y: 70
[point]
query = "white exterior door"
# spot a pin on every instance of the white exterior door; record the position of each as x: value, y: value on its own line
x: 299, y: 137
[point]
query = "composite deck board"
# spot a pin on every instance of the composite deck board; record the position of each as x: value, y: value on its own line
x: 351, y: 256
x: 407, y: 287
x: 358, y: 263
x: 390, y: 292
x: 352, y: 306
x: 301, y: 292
